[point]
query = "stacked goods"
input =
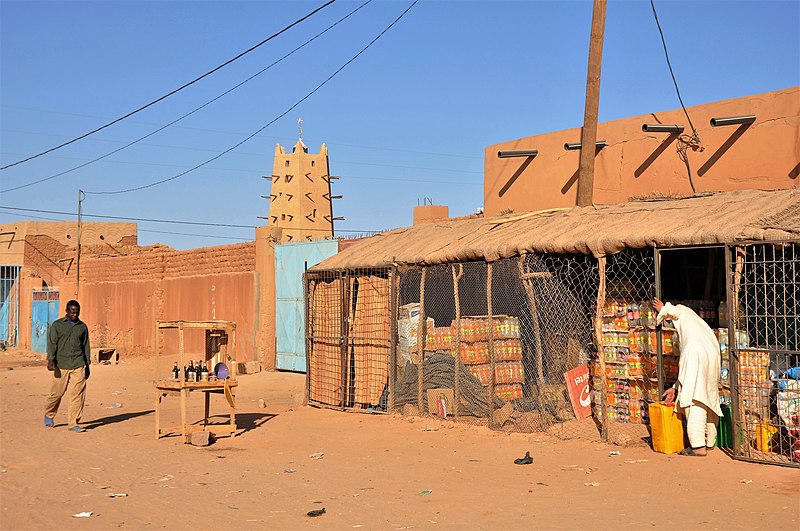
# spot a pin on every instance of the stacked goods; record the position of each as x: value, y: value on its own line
x: 473, y: 347
x: 477, y: 328
x: 504, y: 350
x: 408, y: 330
x: 508, y: 392
x: 630, y: 344
x: 754, y: 382
x: 439, y: 338
x: 505, y: 372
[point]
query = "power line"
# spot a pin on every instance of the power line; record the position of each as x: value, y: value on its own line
x: 167, y: 221
x: 129, y: 144
x: 341, y: 175
x: 237, y: 133
x: 287, y: 111
x: 139, y: 230
x: 167, y: 95
x: 674, y: 81
x: 191, y: 234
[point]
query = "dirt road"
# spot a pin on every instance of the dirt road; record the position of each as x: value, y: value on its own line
x: 375, y: 471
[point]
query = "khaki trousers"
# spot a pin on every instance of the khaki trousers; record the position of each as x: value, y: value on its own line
x: 73, y: 383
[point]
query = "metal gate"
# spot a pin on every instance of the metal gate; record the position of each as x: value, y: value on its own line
x: 764, y: 339
x: 44, y: 311
x: 291, y: 260
x: 9, y: 305
x: 349, y: 338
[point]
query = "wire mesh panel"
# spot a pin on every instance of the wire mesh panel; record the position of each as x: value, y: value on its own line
x: 765, y: 340
x: 325, y: 326
x: 625, y: 369
x: 349, y: 338
x: 496, y: 341
x: 368, y: 340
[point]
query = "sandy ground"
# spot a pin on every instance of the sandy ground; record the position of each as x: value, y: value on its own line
x: 375, y: 472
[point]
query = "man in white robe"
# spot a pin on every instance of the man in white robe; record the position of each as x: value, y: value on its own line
x: 696, y: 391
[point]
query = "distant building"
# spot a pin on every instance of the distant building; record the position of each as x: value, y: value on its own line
x: 300, y: 199
x: 38, y: 269
x: 634, y: 163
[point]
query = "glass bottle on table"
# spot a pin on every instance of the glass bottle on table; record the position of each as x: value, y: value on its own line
x: 176, y: 372
x: 190, y: 373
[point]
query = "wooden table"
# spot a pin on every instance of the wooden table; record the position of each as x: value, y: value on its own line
x: 220, y: 342
x: 166, y: 388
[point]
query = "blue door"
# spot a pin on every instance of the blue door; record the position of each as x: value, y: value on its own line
x: 44, y: 312
x: 291, y: 260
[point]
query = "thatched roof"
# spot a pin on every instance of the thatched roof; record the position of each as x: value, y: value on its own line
x: 724, y: 217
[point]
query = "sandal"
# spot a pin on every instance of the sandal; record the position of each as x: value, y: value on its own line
x: 690, y: 452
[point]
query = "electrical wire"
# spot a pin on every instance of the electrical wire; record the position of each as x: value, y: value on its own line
x: 287, y: 111
x: 206, y: 130
x: 129, y: 144
x: 172, y: 92
x: 191, y: 234
x: 254, y: 171
x: 669, y: 64
x: 167, y: 221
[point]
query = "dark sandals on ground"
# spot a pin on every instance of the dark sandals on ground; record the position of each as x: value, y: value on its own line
x: 690, y: 452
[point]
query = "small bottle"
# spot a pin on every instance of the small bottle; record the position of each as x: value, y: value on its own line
x: 723, y: 313
x: 176, y: 372
x: 197, y: 371
x: 204, y: 373
x: 190, y: 373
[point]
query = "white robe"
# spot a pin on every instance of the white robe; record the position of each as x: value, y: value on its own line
x: 698, y: 367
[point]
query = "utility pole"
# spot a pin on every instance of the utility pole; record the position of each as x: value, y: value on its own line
x: 81, y: 196
x: 589, y: 131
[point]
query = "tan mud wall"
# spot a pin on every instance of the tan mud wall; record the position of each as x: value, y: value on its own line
x: 764, y: 155
x: 123, y: 297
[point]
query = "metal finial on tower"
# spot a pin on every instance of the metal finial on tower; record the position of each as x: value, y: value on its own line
x: 300, y: 126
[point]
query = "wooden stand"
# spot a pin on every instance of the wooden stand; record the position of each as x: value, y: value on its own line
x: 218, y: 336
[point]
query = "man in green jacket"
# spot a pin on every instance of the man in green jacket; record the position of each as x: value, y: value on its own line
x: 68, y: 359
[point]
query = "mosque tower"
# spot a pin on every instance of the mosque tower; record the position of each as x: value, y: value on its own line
x: 300, y: 200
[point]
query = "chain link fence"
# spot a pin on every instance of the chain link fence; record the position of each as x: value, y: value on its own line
x: 496, y: 341
x: 511, y: 344
x: 625, y: 376
x: 765, y: 283
x: 348, y: 338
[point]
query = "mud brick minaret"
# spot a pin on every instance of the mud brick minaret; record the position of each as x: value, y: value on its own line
x: 300, y: 200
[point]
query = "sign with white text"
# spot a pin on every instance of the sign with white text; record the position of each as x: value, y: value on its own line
x: 578, y: 388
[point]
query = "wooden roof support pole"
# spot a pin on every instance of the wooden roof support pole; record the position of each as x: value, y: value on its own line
x: 421, y: 340
x: 491, y: 343
x: 601, y: 353
x: 537, y: 333
x: 457, y: 339
x: 589, y: 131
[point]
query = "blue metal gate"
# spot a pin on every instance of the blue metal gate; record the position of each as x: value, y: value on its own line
x: 291, y: 260
x: 43, y: 312
x: 9, y: 305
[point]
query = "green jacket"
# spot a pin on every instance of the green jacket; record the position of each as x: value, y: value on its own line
x: 68, y: 344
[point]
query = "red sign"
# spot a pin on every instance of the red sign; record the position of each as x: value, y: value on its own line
x: 579, y: 394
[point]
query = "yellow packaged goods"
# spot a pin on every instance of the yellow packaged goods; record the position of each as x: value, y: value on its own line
x: 504, y: 372
x: 765, y: 431
x: 666, y: 428
x: 508, y: 391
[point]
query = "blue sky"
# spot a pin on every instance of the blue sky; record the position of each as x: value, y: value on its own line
x: 407, y: 120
